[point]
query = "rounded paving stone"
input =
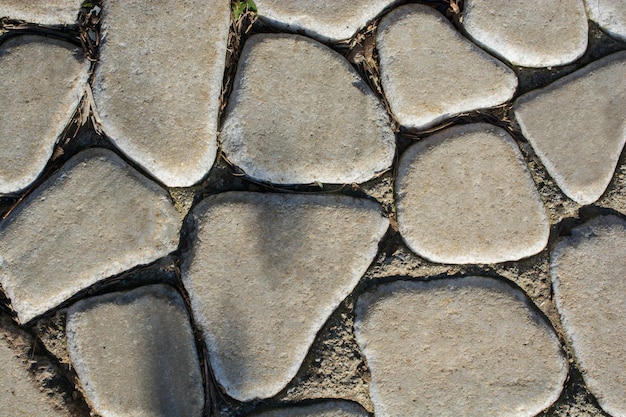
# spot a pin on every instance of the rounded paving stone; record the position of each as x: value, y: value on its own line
x: 588, y: 271
x: 465, y: 196
x: 458, y: 347
x: 265, y: 271
x: 610, y: 15
x: 300, y: 113
x: 430, y: 72
x: 49, y: 12
x: 326, y: 409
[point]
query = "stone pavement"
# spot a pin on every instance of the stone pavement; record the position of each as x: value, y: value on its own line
x: 382, y: 208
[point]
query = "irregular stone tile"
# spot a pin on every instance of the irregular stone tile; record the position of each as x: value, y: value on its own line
x: 588, y: 270
x: 326, y: 409
x: 265, y: 271
x: 50, y: 12
x: 469, y: 346
x: 465, y: 196
x: 41, y: 83
x: 610, y: 15
x: 526, y: 33
x: 576, y: 126
x: 158, y: 84
x: 94, y: 218
x: 424, y: 87
x: 300, y: 113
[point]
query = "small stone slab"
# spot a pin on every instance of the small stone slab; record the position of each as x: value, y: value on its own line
x: 588, y: 271
x: 422, y: 87
x: 300, y: 113
x: 610, y: 15
x: 465, y: 196
x: 526, y: 33
x: 135, y: 354
x: 576, y: 126
x: 158, y: 83
x: 458, y: 347
x: 49, y: 12
x: 41, y: 83
x: 94, y: 218
x: 326, y: 409
x: 265, y: 271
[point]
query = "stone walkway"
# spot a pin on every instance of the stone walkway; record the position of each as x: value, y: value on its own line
x: 376, y: 209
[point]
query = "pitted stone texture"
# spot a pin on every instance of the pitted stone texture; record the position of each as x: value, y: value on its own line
x: 457, y: 347
x: 94, y: 218
x: 588, y: 271
x: 135, y: 354
x: 158, y: 84
x: 610, y: 15
x: 264, y: 273
x: 41, y: 83
x: 325, y: 409
x: 465, y: 196
x: 300, y: 113
x: 430, y: 72
x: 576, y: 126
x: 49, y: 12
x: 526, y: 33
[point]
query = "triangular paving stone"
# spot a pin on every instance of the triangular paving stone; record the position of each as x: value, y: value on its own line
x: 465, y: 196
x: 300, y: 113
x: 49, y: 12
x: 135, y: 354
x: 526, y: 33
x: 158, y: 83
x: 264, y: 273
x: 41, y: 83
x: 610, y: 15
x: 457, y: 347
x: 576, y: 126
x: 588, y: 272
x: 430, y: 72
x: 335, y: 408
x: 94, y: 218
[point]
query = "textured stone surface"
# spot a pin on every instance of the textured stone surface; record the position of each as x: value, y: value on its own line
x: 49, y: 12
x: 94, y: 218
x: 300, y: 113
x: 610, y: 15
x: 576, y: 126
x: 325, y: 409
x: 430, y: 72
x: 458, y: 347
x: 158, y: 83
x: 265, y: 271
x: 465, y: 196
x: 526, y: 33
x: 588, y: 271
x: 41, y: 83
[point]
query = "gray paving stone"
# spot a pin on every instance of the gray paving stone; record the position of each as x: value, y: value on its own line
x: 576, y: 126
x: 526, y: 33
x: 457, y: 347
x: 158, y: 84
x: 610, y: 15
x: 94, y: 218
x: 326, y: 409
x: 135, y: 354
x: 300, y: 113
x: 424, y: 88
x: 588, y: 270
x: 465, y: 196
x: 50, y: 12
x: 41, y: 83
x: 264, y: 273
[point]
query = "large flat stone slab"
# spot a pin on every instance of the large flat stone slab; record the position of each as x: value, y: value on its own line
x: 610, y: 15
x: 300, y: 113
x: 265, y: 271
x: 41, y: 83
x: 158, y: 84
x: 458, y: 347
x: 50, y: 12
x: 576, y: 126
x: 465, y: 196
x: 425, y: 87
x: 588, y: 271
x: 94, y: 218
x: 334, y: 408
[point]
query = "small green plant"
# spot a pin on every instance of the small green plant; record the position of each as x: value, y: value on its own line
x: 240, y: 7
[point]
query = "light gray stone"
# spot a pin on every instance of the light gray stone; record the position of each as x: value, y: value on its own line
x: 300, y: 113
x: 94, y: 218
x: 527, y: 33
x: 49, y: 12
x: 264, y: 273
x: 465, y: 196
x: 326, y: 409
x: 588, y: 271
x: 458, y: 347
x: 425, y: 87
x: 610, y: 15
x: 135, y: 354
x: 158, y: 84
x: 576, y: 126
x: 41, y: 83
